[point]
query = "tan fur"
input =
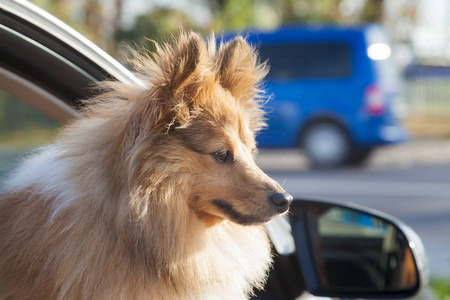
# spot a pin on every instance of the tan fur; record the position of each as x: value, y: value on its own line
x: 124, y: 207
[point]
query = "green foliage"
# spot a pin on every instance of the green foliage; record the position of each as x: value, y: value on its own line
x: 100, y: 20
x: 310, y: 11
x: 441, y: 287
x: 237, y: 15
x: 63, y: 10
x: 234, y: 15
x: 155, y: 25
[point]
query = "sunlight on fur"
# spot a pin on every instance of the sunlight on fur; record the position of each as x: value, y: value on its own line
x: 153, y: 192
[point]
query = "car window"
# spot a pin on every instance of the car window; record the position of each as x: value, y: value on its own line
x: 307, y: 61
x: 22, y: 128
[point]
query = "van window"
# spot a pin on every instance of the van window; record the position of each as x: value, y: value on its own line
x: 307, y: 61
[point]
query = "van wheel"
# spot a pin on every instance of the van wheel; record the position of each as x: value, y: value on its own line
x: 326, y: 145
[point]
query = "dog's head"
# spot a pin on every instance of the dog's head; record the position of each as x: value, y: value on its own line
x: 198, y: 118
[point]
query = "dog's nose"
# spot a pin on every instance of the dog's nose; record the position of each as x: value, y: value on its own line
x: 281, y: 201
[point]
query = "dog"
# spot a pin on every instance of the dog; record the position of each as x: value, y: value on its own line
x: 153, y: 193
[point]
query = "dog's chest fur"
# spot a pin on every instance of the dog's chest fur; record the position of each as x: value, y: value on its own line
x: 91, y: 260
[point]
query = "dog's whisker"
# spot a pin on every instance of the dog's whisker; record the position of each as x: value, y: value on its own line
x: 238, y: 187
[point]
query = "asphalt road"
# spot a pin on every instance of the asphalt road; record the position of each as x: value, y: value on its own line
x: 418, y: 194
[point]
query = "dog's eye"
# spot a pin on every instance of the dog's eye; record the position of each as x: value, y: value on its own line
x: 223, y: 155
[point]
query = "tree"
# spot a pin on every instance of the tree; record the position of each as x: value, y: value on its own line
x: 156, y: 25
x: 99, y: 20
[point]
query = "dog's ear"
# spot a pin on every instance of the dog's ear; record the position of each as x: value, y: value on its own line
x: 183, y: 64
x: 239, y: 69
x: 176, y: 73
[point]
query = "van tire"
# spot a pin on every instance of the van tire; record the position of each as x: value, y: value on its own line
x: 327, y: 145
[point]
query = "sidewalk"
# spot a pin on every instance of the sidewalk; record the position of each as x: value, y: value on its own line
x: 414, y: 152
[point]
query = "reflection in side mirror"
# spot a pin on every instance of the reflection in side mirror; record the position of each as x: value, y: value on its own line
x: 348, y: 252
x: 357, y: 250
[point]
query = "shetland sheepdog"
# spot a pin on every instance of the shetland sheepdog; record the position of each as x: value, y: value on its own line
x: 153, y: 192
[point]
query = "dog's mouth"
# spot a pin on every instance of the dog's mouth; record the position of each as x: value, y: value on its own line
x: 244, y: 219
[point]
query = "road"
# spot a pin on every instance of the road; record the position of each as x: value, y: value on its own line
x: 417, y: 194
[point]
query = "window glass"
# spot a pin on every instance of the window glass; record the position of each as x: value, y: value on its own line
x: 22, y: 128
x: 307, y: 61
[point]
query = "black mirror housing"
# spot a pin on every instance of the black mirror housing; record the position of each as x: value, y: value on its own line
x: 349, y: 251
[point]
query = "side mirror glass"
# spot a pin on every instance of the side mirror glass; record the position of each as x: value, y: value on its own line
x: 357, y: 250
x: 349, y: 252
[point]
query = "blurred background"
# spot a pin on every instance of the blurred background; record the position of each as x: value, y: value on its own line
x: 404, y: 172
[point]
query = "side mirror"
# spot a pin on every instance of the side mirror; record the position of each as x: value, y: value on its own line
x: 352, y: 252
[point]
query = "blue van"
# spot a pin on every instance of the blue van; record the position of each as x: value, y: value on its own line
x: 334, y: 92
